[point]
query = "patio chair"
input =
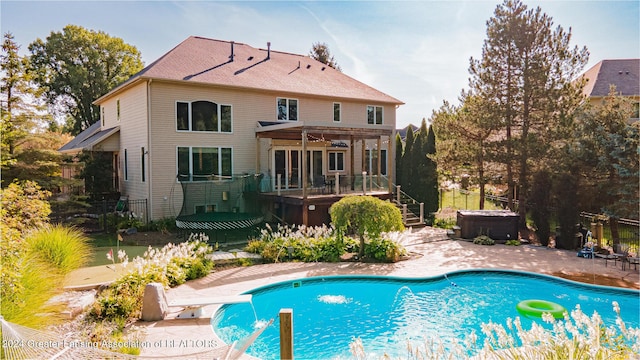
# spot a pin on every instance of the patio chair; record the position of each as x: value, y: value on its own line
x: 319, y: 183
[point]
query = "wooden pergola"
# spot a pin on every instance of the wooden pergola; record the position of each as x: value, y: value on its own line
x: 303, y: 131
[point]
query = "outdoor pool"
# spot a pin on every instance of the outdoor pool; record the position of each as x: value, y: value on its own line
x: 386, y: 312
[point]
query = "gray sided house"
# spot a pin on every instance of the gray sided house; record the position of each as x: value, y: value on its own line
x: 222, y: 128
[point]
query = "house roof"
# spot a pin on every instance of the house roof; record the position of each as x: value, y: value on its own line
x: 89, y: 138
x: 200, y: 60
x: 623, y: 73
x: 403, y: 131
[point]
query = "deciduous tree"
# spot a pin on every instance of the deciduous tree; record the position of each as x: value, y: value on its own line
x: 76, y: 66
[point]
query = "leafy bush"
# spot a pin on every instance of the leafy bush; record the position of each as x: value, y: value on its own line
x: 297, y: 243
x: 446, y: 223
x: 483, y: 240
x: 311, y: 244
x: 513, y: 242
x: 365, y: 215
x: 381, y: 249
x: 163, y: 225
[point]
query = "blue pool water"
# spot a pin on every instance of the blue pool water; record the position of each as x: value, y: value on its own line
x: 386, y: 312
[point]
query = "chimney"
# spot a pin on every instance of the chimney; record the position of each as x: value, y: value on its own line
x: 231, y: 56
x: 268, y: 49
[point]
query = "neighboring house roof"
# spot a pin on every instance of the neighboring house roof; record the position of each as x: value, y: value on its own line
x: 200, y: 60
x: 623, y: 73
x: 89, y: 138
x: 403, y: 132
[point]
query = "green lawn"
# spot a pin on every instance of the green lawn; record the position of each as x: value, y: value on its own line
x: 455, y: 199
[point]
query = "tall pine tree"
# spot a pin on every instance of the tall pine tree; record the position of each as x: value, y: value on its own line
x: 527, y: 70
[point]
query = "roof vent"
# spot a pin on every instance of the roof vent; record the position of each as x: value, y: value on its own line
x: 268, y: 49
x: 250, y: 58
x: 620, y: 72
x: 323, y: 68
x: 308, y: 66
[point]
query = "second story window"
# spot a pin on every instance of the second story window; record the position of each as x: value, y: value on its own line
x: 203, y: 116
x: 374, y: 115
x: 287, y: 109
x: 336, y: 112
x: 118, y: 109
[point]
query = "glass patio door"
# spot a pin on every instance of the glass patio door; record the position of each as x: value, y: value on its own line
x: 314, y: 166
x: 287, y: 165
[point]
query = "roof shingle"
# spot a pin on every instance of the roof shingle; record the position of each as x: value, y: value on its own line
x: 623, y: 73
x: 208, y: 61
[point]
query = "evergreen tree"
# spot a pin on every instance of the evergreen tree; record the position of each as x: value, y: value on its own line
x: 527, y: 70
x: 607, y: 144
x: 463, y: 135
x: 431, y: 181
x: 399, y: 152
x: 419, y: 166
x: 320, y: 51
x: 21, y: 111
x: 407, y: 161
x: 541, y: 205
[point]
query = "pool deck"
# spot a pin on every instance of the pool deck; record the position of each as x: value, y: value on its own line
x: 433, y: 253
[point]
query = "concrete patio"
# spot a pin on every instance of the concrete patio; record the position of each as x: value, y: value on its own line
x: 432, y: 253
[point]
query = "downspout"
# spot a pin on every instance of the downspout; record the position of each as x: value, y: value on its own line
x: 149, y: 153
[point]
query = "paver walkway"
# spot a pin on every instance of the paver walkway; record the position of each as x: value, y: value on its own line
x: 434, y: 254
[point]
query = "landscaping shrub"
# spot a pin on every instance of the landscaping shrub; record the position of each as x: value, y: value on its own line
x: 385, y: 250
x: 297, y: 243
x: 311, y: 244
x: 483, y: 240
x: 444, y: 223
x: 65, y: 248
x: 513, y: 242
x: 27, y: 282
x: 171, y: 265
x: 365, y: 215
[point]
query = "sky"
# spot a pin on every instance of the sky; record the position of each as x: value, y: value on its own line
x: 415, y: 51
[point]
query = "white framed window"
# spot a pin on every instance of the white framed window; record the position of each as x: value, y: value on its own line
x: 102, y: 115
x: 337, y: 112
x: 204, y: 163
x: 375, y: 115
x: 118, y: 109
x: 287, y: 109
x: 203, y: 115
x: 336, y: 160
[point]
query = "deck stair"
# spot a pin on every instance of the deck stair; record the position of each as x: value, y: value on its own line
x: 412, y: 211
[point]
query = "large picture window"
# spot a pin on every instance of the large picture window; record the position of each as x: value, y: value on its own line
x: 287, y: 109
x: 204, y: 163
x: 203, y: 116
x: 374, y: 115
x: 336, y: 161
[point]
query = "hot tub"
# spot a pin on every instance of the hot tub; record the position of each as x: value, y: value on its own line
x: 497, y: 224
